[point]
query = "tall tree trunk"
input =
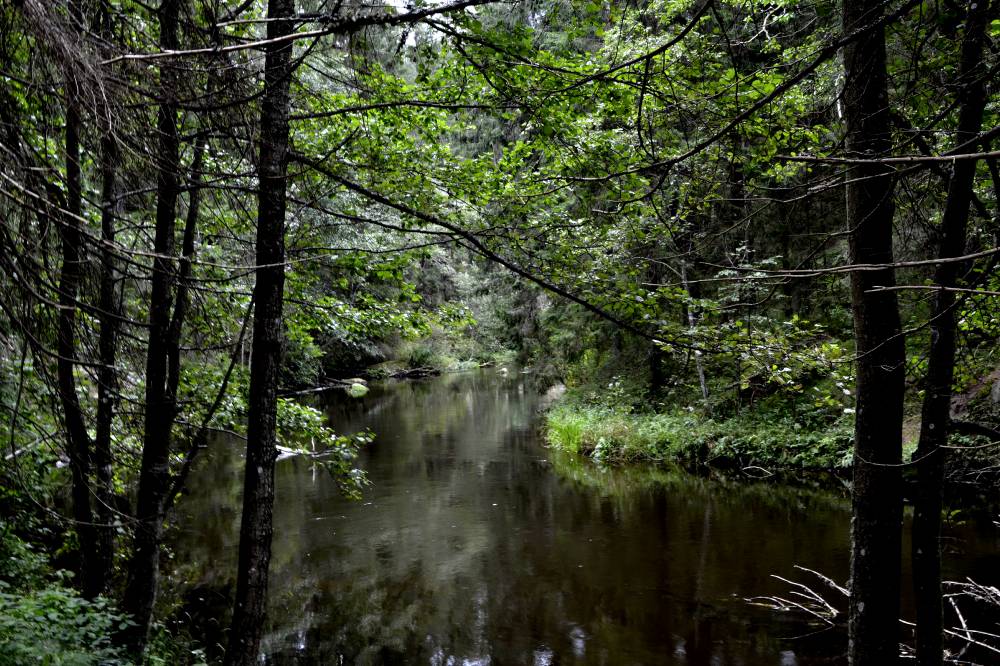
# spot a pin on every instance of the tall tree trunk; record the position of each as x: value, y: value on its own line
x: 154, y: 475
x: 77, y: 438
x: 108, y: 319
x: 268, y: 338
x: 107, y: 376
x: 877, y: 509
x: 936, y: 411
x: 184, y: 275
x: 692, y: 322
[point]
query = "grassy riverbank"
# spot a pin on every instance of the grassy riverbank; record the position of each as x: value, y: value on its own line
x: 760, y: 439
x: 774, y: 435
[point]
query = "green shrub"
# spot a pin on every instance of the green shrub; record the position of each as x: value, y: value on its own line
x: 20, y: 563
x: 421, y: 356
x: 54, y: 626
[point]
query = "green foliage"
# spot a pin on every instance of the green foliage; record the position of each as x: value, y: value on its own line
x: 421, y: 356
x: 43, y: 620
x: 304, y: 429
x: 172, y: 647
x: 545, y: 136
x: 200, y: 382
x: 54, y: 626
x: 612, y: 436
x: 448, y: 342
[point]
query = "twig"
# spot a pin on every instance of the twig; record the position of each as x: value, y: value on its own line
x: 829, y: 581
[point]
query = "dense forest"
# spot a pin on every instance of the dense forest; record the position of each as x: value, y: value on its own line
x: 753, y: 240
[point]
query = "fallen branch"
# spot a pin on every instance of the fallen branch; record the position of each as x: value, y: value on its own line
x: 415, y: 373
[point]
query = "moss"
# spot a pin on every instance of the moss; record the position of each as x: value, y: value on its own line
x: 357, y: 390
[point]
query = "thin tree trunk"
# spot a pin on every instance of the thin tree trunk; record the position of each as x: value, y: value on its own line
x: 877, y: 509
x: 108, y: 319
x: 936, y: 410
x: 154, y: 475
x: 77, y: 438
x: 107, y: 376
x: 692, y: 321
x: 258, y: 489
x: 184, y: 277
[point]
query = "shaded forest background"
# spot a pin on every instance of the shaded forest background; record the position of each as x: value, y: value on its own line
x: 746, y: 234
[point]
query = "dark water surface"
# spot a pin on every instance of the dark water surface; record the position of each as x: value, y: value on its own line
x: 477, y: 545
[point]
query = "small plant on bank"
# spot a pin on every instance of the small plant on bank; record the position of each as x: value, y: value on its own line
x: 43, y: 620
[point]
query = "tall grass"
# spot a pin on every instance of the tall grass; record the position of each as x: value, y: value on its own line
x: 616, y: 436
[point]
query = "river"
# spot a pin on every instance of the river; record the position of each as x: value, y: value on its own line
x: 475, y: 544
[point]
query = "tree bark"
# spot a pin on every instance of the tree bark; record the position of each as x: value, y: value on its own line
x: 877, y: 509
x: 268, y: 338
x: 184, y: 277
x: 154, y: 475
x: 77, y: 438
x: 936, y: 409
x: 109, y: 322
x: 107, y: 376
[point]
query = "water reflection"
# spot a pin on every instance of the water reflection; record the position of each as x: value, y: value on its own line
x: 475, y: 545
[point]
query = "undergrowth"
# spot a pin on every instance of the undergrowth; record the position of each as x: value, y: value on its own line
x: 613, y: 435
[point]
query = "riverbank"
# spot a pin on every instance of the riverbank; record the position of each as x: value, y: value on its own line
x: 760, y: 441
x: 747, y: 440
x: 434, y: 356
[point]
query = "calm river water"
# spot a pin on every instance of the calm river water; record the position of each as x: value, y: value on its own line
x: 477, y: 545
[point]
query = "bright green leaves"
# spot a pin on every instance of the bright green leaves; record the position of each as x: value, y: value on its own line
x: 303, y: 430
x: 54, y: 625
x: 44, y: 621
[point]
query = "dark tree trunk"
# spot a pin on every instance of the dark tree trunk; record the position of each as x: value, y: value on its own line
x: 154, y: 475
x: 936, y: 411
x: 77, y: 438
x: 268, y: 338
x: 877, y: 509
x: 184, y: 277
x: 107, y: 376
